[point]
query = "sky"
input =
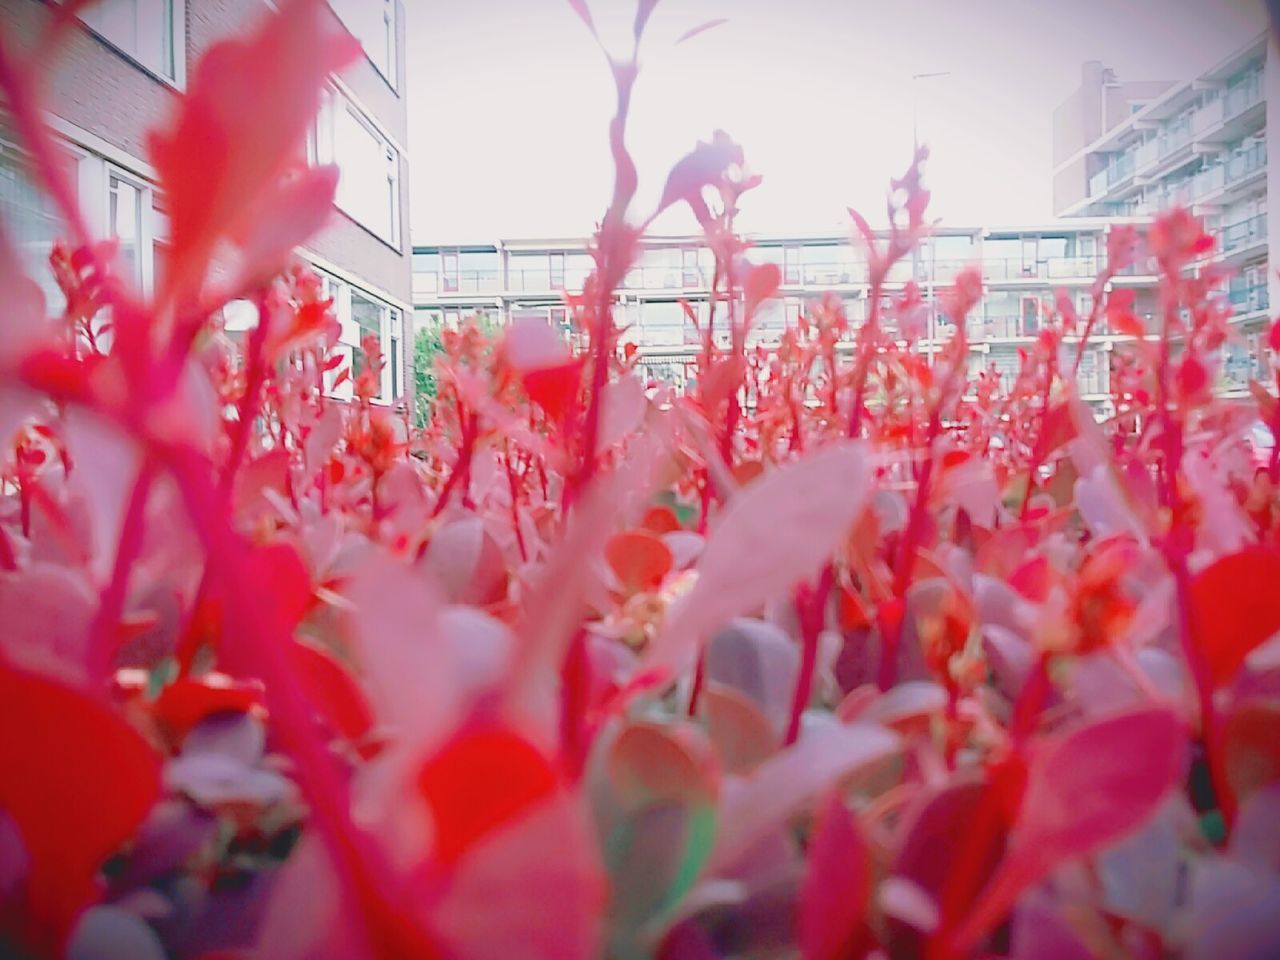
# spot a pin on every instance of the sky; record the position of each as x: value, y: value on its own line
x: 510, y: 101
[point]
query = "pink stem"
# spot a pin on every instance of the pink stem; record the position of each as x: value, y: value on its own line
x: 111, y: 606
x: 811, y: 606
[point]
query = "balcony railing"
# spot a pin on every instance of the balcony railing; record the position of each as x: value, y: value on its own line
x: 810, y: 276
x: 1244, y: 164
x: 1240, y: 98
x: 1249, y: 298
x: 1244, y: 233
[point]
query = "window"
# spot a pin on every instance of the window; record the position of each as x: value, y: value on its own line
x: 791, y: 268
x: 369, y: 182
x: 373, y: 23
x: 360, y: 315
x: 31, y: 223
x: 692, y: 277
x: 124, y: 200
x: 148, y: 31
x: 449, y: 271
x: 557, y: 271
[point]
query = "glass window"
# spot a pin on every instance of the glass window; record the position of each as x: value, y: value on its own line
x: 146, y: 30
x: 373, y: 23
x: 125, y: 203
x: 557, y: 271
x: 369, y: 182
x: 31, y: 223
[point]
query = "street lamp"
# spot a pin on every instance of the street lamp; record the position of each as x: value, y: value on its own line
x: 915, y: 254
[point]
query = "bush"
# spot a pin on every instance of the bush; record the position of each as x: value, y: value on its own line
x: 824, y: 656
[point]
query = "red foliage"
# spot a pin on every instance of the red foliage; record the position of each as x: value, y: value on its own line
x: 847, y: 656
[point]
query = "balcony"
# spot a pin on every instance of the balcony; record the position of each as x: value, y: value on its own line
x: 1049, y: 268
x: 1246, y: 233
x: 1249, y: 298
x: 1246, y: 164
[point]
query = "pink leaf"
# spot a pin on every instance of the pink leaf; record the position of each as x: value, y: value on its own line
x: 785, y: 783
x: 836, y: 885
x: 702, y: 167
x: 584, y: 14
x: 700, y: 28
x: 227, y: 148
x: 774, y: 533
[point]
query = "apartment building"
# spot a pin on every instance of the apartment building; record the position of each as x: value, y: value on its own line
x: 1201, y: 142
x: 1023, y: 269
x: 115, y: 79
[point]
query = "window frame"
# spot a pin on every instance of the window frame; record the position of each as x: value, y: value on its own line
x: 177, y: 40
x: 322, y: 149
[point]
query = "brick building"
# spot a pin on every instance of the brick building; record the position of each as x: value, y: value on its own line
x: 114, y: 80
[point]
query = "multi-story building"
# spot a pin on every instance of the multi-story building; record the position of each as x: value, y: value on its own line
x: 1134, y: 149
x: 114, y: 80
x: 1023, y: 269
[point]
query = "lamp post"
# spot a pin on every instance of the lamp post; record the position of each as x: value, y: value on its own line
x: 915, y: 254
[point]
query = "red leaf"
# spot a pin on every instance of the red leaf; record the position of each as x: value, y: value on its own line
x: 76, y: 780
x: 639, y: 559
x: 660, y: 519
x: 1235, y: 608
x: 554, y: 389
x: 762, y: 283
x: 834, y: 895
x: 332, y: 690
x: 1084, y: 790
x: 477, y: 783
x: 188, y: 700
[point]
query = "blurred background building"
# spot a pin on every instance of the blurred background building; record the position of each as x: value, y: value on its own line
x: 115, y: 79
x: 1022, y: 267
x: 1122, y: 150
x: 1133, y: 149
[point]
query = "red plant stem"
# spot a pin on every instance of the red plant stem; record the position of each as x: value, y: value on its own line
x: 515, y: 501
x: 1031, y: 700
x: 1273, y: 464
x: 574, y: 677
x: 24, y: 505
x: 1095, y: 310
x: 1175, y: 547
x: 8, y: 559
x: 699, y: 680
x: 111, y: 605
x: 1037, y: 457
x: 1209, y: 728
x: 866, y: 350
x: 462, y: 466
x: 811, y: 607
x: 250, y: 400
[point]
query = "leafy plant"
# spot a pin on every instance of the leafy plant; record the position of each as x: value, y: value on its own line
x: 798, y: 662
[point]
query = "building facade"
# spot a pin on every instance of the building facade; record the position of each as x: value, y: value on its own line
x: 1023, y: 269
x: 1201, y: 142
x: 114, y: 80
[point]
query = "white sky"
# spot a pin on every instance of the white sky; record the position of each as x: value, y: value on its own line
x: 509, y: 102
